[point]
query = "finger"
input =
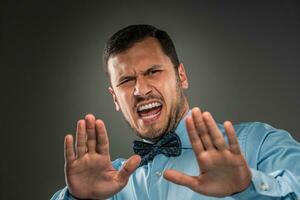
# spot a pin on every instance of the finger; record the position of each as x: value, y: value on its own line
x: 214, y: 132
x: 232, y: 139
x: 181, y: 178
x: 69, y: 149
x: 91, y: 132
x: 201, y: 128
x: 81, y: 139
x: 128, y: 168
x: 193, y: 135
x: 102, y: 145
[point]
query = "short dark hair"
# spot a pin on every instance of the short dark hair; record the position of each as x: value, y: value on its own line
x: 128, y: 36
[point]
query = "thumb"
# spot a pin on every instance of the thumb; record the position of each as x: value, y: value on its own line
x: 129, y: 167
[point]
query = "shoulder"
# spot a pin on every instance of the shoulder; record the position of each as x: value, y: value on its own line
x: 253, y: 127
x: 258, y: 130
x: 257, y: 138
x: 257, y: 133
x: 250, y: 130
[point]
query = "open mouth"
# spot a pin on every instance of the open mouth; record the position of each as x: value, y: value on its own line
x: 149, y: 112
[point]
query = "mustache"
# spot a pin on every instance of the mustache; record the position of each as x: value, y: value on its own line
x: 140, y: 99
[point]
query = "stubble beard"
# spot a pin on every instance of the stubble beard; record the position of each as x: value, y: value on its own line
x: 174, y: 117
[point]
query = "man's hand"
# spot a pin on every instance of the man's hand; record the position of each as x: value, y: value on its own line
x: 224, y: 170
x: 88, y: 170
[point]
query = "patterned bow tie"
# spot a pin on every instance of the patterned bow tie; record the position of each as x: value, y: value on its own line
x: 169, y: 145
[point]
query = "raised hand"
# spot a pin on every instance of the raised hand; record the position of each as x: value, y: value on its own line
x: 89, y: 173
x: 224, y: 170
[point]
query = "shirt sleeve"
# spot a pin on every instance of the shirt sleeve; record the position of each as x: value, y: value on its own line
x: 276, y: 168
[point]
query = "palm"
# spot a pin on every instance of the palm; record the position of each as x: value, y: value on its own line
x: 217, y: 167
x: 92, y: 170
x: 90, y: 173
x: 224, y: 170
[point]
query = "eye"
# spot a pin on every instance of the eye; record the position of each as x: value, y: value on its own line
x: 124, y: 81
x: 155, y: 71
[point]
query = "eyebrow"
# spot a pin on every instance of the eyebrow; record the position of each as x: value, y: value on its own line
x: 152, y: 68
x: 122, y: 78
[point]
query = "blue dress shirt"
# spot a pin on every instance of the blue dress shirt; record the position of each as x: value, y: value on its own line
x: 272, y: 155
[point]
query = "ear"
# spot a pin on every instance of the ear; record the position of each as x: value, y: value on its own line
x: 112, y: 92
x: 182, y: 77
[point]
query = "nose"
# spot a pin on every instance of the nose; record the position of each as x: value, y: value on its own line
x: 142, y: 88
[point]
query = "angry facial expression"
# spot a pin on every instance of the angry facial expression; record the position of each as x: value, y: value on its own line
x: 147, y: 89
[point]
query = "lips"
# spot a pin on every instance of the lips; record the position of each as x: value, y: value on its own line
x: 149, y: 112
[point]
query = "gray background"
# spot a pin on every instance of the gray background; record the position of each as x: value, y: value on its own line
x: 242, y: 59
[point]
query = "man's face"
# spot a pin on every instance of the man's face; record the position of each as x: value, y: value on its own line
x: 147, y: 90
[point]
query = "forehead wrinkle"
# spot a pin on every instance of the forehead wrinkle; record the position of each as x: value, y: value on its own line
x: 136, y: 71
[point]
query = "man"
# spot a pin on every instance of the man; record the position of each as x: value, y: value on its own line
x: 185, y: 153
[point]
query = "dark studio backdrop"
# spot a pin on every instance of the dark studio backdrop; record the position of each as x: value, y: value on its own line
x: 242, y: 60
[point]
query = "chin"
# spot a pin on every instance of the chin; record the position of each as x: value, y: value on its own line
x: 150, y: 130
x: 152, y: 133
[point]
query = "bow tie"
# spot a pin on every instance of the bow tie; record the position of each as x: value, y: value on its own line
x: 169, y: 145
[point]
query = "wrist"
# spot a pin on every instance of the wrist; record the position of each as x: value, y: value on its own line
x: 244, y: 183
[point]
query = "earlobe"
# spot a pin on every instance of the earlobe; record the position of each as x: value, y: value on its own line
x: 112, y: 92
x: 182, y: 76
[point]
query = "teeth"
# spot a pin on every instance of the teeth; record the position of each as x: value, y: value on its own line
x: 148, y: 106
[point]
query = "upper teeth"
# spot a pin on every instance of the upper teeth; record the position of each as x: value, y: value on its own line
x: 148, y: 106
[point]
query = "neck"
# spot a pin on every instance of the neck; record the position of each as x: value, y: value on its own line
x: 186, y: 107
x: 184, y: 111
x: 180, y: 114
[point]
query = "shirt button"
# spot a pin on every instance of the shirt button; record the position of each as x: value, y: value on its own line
x: 158, y: 173
x: 264, y: 187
